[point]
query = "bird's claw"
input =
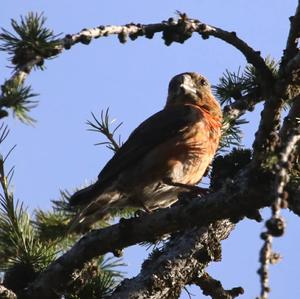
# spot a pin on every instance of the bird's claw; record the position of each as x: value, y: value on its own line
x: 140, y: 213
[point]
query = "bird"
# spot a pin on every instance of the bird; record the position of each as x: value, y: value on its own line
x: 164, y: 156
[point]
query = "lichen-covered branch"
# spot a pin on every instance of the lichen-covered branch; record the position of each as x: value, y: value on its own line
x: 291, y: 121
x: 266, y: 136
x: 213, y: 288
x: 285, y: 87
x: 239, y: 107
x: 172, y: 31
x: 290, y: 136
x: 169, y: 269
x: 264, y: 259
x: 288, y: 75
x: 240, y: 197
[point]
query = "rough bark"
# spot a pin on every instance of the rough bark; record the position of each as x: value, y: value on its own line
x: 213, y: 288
x: 240, y: 197
x: 168, y: 270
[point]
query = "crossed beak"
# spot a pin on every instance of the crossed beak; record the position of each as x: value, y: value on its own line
x: 187, y: 86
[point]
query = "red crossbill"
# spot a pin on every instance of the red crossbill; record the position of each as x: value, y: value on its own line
x: 165, y: 155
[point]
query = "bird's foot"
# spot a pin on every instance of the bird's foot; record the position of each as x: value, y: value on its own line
x: 192, y: 189
x: 139, y: 213
x: 199, y: 191
x: 144, y: 211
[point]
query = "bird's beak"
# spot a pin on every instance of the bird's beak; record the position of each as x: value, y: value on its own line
x: 187, y: 86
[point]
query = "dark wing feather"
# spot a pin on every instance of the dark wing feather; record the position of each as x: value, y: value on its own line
x: 153, y: 131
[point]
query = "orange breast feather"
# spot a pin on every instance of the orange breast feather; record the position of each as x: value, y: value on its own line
x: 194, y: 152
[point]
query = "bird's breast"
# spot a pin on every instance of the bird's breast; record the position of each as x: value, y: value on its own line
x: 193, y: 152
x: 184, y: 159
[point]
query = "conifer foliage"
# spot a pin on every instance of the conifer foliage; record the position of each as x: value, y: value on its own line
x: 32, y: 246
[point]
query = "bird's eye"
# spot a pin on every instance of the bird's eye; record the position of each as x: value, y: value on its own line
x: 203, y: 82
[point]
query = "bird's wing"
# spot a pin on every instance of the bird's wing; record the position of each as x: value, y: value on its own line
x: 153, y: 131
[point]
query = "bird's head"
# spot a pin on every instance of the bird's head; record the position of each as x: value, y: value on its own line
x: 193, y: 88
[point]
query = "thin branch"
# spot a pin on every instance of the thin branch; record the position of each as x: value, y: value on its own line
x: 264, y: 259
x: 290, y: 136
x: 283, y: 168
x: 291, y: 121
x: 19, y: 76
x: 172, y: 31
x: 213, y: 288
x: 239, y: 107
x: 253, y: 57
x: 292, y: 42
x: 22, y: 72
x: 267, y: 134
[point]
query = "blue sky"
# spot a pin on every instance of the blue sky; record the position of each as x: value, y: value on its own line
x: 131, y: 79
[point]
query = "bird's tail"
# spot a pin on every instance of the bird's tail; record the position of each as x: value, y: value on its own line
x: 94, y: 203
x: 86, y: 195
x: 93, y: 212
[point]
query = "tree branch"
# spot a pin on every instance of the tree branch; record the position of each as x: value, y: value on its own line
x: 6, y: 293
x: 213, y: 288
x: 292, y: 42
x: 172, y: 31
x: 238, y: 198
x: 168, y: 270
x: 253, y: 57
x: 290, y: 136
x: 265, y: 260
x: 266, y: 136
x: 240, y: 107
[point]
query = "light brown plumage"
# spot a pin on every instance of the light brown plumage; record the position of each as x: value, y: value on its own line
x: 175, y: 145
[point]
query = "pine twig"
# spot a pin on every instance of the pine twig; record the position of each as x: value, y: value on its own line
x: 240, y: 91
x: 103, y: 126
x: 28, y: 45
